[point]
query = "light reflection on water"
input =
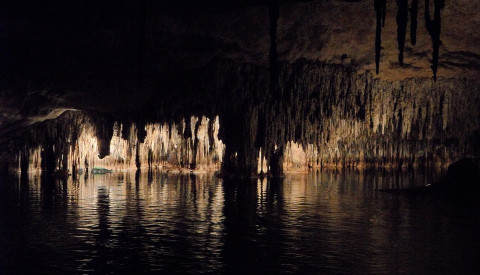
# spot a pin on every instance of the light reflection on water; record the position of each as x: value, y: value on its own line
x: 331, y: 222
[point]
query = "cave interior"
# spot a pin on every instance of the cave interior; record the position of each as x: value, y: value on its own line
x: 243, y: 87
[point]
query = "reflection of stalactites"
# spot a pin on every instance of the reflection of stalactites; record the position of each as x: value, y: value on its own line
x: 434, y: 29
x: 273, y: 11
x: 413, y: 24
x: 402, y: 17
x: 103, y: 209
x: 380, y: 9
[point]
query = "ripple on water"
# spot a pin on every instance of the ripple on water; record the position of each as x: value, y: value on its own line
x: 331, y: 222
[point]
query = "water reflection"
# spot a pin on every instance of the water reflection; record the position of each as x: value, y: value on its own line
x: 326, y: 222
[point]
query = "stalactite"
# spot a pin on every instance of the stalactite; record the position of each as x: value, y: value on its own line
x: 413, y: 22
x: 104, y: 132
x: 434, y: 29
x: 380, y: 9
x: 329, y: 116
x: 402, y: 18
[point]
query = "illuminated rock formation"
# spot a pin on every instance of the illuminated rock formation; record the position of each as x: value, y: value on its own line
x: 73, y: 143
x: 328, y: 116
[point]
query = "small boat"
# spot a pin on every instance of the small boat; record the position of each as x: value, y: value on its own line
x: 101, y: 170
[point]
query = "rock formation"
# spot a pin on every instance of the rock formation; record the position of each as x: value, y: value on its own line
x: 327, y: 116
x: 241, y: 87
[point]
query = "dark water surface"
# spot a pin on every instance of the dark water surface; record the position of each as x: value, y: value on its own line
x: 332, y: 222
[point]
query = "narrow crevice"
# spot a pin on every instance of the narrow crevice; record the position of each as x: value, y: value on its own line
x: 141, y: 132
x: 24, y: 162
x: 138, y: 163
x: 193, y: 164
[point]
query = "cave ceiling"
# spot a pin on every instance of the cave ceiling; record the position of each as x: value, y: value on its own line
x: 115, y: 55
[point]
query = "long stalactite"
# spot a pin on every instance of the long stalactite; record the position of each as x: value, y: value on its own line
x: 402, y: 18
x: 434, y: 28
x: 380, y: 10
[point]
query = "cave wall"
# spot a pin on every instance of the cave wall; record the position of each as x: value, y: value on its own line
x: 72, y: 143
x: 139, y: 69
x: 322, y: 116
x: 356, y: 120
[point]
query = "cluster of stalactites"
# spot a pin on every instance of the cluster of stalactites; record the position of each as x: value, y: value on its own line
x: 327, y: 116
x: 189, y: 144
x: 331, y: 117
x: 433, y: 28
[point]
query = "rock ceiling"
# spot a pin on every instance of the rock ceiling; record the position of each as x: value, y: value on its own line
x: 81, y: 54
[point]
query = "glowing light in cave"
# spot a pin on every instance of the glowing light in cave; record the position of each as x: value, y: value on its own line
x: 161, y: 149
